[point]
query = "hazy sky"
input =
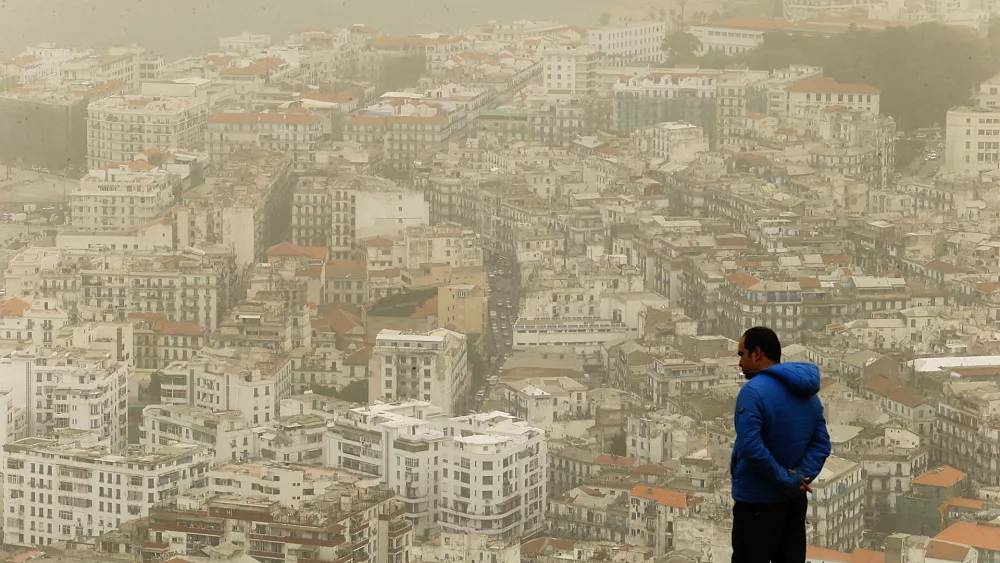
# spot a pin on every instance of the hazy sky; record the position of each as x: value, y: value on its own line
x: 179, y: 27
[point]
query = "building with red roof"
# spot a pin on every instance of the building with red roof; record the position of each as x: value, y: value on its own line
x: 819, y: 93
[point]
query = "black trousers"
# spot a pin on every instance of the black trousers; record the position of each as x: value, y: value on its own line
x: 773, y: 533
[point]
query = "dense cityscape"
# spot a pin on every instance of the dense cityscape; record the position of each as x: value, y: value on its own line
x: 476, y: 294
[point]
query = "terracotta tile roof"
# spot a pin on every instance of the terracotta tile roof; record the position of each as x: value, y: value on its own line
x: 962, y: 502
x: 538, y: 546
x: 345, y: 268
x: 867, y: 556
x: 652, y: 469
x: 742, y: 279
x: 816, y: 553
x: 823, y: 84
x: 667, y: 497
x: 894, y: 390
x: 311, y: 272
x: 14, y: 307
x: 426, y: 309
x: 946, y: 551
x: 178, y: 328
x: 332, y: 97
x: 290, y: 250
x: 339, y: 321
x: 379, y: 242
x: 140, y: 166
x: 988, y: 287
x: 806, y: 282
x: 906, y: 395
x: 359, y: 357
x: 980, y: 536
x: 944, y: 476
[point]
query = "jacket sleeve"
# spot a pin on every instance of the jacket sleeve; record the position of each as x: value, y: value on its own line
x: 749, y: 420
x: 817, y: 451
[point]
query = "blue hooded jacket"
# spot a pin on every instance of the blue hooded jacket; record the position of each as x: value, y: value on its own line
x: 779, y: 426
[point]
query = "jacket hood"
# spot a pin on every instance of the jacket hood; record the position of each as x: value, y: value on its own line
x: 801, y: 378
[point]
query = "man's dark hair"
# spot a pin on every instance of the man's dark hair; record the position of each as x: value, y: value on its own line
x: 765, y: 339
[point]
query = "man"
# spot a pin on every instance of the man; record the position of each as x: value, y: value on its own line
x: 781, y: 445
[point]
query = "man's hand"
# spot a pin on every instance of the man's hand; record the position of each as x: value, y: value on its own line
x: 803, y: 482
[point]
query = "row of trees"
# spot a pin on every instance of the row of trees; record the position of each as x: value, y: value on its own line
x: 922, y: 70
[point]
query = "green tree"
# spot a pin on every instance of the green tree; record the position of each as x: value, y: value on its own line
x: 618, y: 446
x: 355, y: 392
x: 682, y: 48
x: 921, y: 71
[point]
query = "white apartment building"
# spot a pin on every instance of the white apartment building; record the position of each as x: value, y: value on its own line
x: 223, y: 431
x: 402, y: 443
x: 652, y: 513
x: 971, y: 141
x: 119, y: 127
x: 13, y: 417
x: 252, y: 383
x: 729, y: 38
x: 337, y: 212
x: 120, y: 65
x: 632, y: 41
x: 61, y: 491
x: 431, y: 366
x: 443, y: 243
x: 190, y: 286
x: 545, y: 401
x: 835, y: 507
x: 71, y: 389
x: 290, y: 485
x: 482, y: 473
x: 294, y: 133
x: 989, y: 92
x: 295, y: 438
x: 658, y: 437
x: 816, y: 93
x: 118, y: 199
x: 582, y: 333
x: 478, y: 548
x: 493, y: 476
x: 31, y: 319
x: 245, y: 43
x: 676, y: 142
x: 241, y: 206
x: 570, y: 70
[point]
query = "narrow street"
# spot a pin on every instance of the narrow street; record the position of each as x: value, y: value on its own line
x: 502, y: 312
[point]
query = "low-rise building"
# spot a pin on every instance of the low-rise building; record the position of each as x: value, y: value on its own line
x: 250, y: 382
x: 652, y: 512
x: 430, y: 366
x: 225, y: 432
x: 94, y: 491
x: 72, y: 389
x: 353, y: 520
x: 970, y: 145
x: 242, y: 206
x: 294, y: 132
x: 120, y: 127
x: 835, y: 507
x: 589, y: 513
x: 119, y: 199
x: 489, y: 477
